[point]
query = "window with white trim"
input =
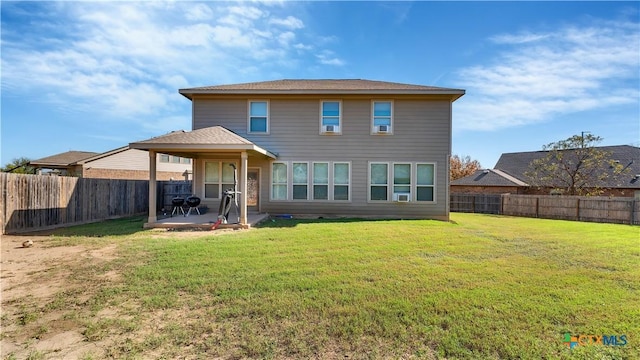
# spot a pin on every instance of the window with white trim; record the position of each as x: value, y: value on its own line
x: 425, y: 182
x: 401, y: 178
x: 320, y: 181
x: 378, y: 181
x: 279, y: 181
x: 330, y: 116
x: 300, y: 180
x: 258, y: 117
x: 382, y: 117
x: 341, y: 181
x: 218, y: 177
x: 164, y: 158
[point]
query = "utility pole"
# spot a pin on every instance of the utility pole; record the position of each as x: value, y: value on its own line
x: 582, y: 137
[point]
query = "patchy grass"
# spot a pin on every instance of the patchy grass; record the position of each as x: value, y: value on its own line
x: 479, y: 287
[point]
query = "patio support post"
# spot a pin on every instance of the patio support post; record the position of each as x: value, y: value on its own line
x: 152, y: 187
x: 243, y: 191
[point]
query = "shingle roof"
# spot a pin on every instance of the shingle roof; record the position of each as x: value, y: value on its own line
x: 511, y: 168
x: 63, y: 159
x: 322, y: 86
x: 215, y: 138
x: 206, y: 136
x: 489, y: 177
x: 517, y: 164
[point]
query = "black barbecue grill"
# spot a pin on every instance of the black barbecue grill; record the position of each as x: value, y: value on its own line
x: 177, y: 203
x: 193, y: 202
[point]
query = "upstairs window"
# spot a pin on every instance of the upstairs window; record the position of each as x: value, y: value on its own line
x: 330, y: 118
x: 259, y: 117
x: 382, y: 118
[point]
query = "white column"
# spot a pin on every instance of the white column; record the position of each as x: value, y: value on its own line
x: 243, y: 186
x: 152, y: 187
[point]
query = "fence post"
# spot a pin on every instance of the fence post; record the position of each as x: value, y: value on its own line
x: 578, y: 209
x: 631, y: 211
x: 537, y: 206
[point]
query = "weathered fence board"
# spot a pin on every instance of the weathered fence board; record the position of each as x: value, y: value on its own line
x: 578, y: 208
x: 34, y: 202
x: 167, y: 190
x: 476, y: 203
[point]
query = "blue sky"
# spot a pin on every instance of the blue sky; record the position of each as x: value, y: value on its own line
x: 94, y: 76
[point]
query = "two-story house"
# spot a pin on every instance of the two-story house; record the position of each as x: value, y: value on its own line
x: 355, y: 148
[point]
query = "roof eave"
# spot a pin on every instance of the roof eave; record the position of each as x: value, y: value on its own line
x: 189, y: 93
x: 169, y: 147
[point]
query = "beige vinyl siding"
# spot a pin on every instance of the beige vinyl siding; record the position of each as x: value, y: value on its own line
x: 134, y: 159
x: 421, y: 133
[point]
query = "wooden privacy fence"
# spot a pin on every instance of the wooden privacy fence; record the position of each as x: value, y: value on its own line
x: 476, y: 203
x: 36, y: 202
x: 579, y: 208
x: 167, y: 190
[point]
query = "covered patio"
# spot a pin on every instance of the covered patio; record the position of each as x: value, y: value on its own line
x: 205, y: 221
x: 202, y: 144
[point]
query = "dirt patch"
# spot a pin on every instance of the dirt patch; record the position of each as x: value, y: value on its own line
x: 31, y: 280
x: 46, y: 292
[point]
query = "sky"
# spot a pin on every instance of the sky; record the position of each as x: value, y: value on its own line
x: 97, y: 75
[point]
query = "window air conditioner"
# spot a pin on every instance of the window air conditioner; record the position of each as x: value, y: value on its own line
x: 330, y: 128
x: 401, y: 197
x: 383, y: 129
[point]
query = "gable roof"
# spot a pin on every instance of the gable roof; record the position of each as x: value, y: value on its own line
x: 215, y: 138
x: 489, y: 177
x: 63, y: 159
x: 103, y: 155
x: 513, y: 166
x: 517, y: 164
x: 323, y: 86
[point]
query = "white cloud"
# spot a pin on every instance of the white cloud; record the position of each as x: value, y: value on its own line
x: 542, y: 75
x: 525, y: 37
x: 125, y: 60
x: 199, y: 12
x: 327, y: 57
x: 289, y: 22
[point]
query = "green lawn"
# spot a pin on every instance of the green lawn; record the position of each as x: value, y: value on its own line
x: 479, y: 287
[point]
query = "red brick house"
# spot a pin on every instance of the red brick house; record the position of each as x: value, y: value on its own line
x: 508, y: 175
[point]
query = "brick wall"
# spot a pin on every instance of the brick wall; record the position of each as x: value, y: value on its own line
x: 465, y: 189
x: 130, y: 174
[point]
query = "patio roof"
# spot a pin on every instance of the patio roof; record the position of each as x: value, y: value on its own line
x: 211, y: 139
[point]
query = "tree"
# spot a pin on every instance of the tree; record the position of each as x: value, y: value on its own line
x: 461, y: 166
x: 19, y: 166
x: 574, y: 166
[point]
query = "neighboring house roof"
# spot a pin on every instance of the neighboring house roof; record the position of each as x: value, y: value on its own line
x: 323, y: 86
x: 103, y: 155
x: 210, y: 138
x: 63, y: 159
x: 513, y: 166
x: 489, y: 177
